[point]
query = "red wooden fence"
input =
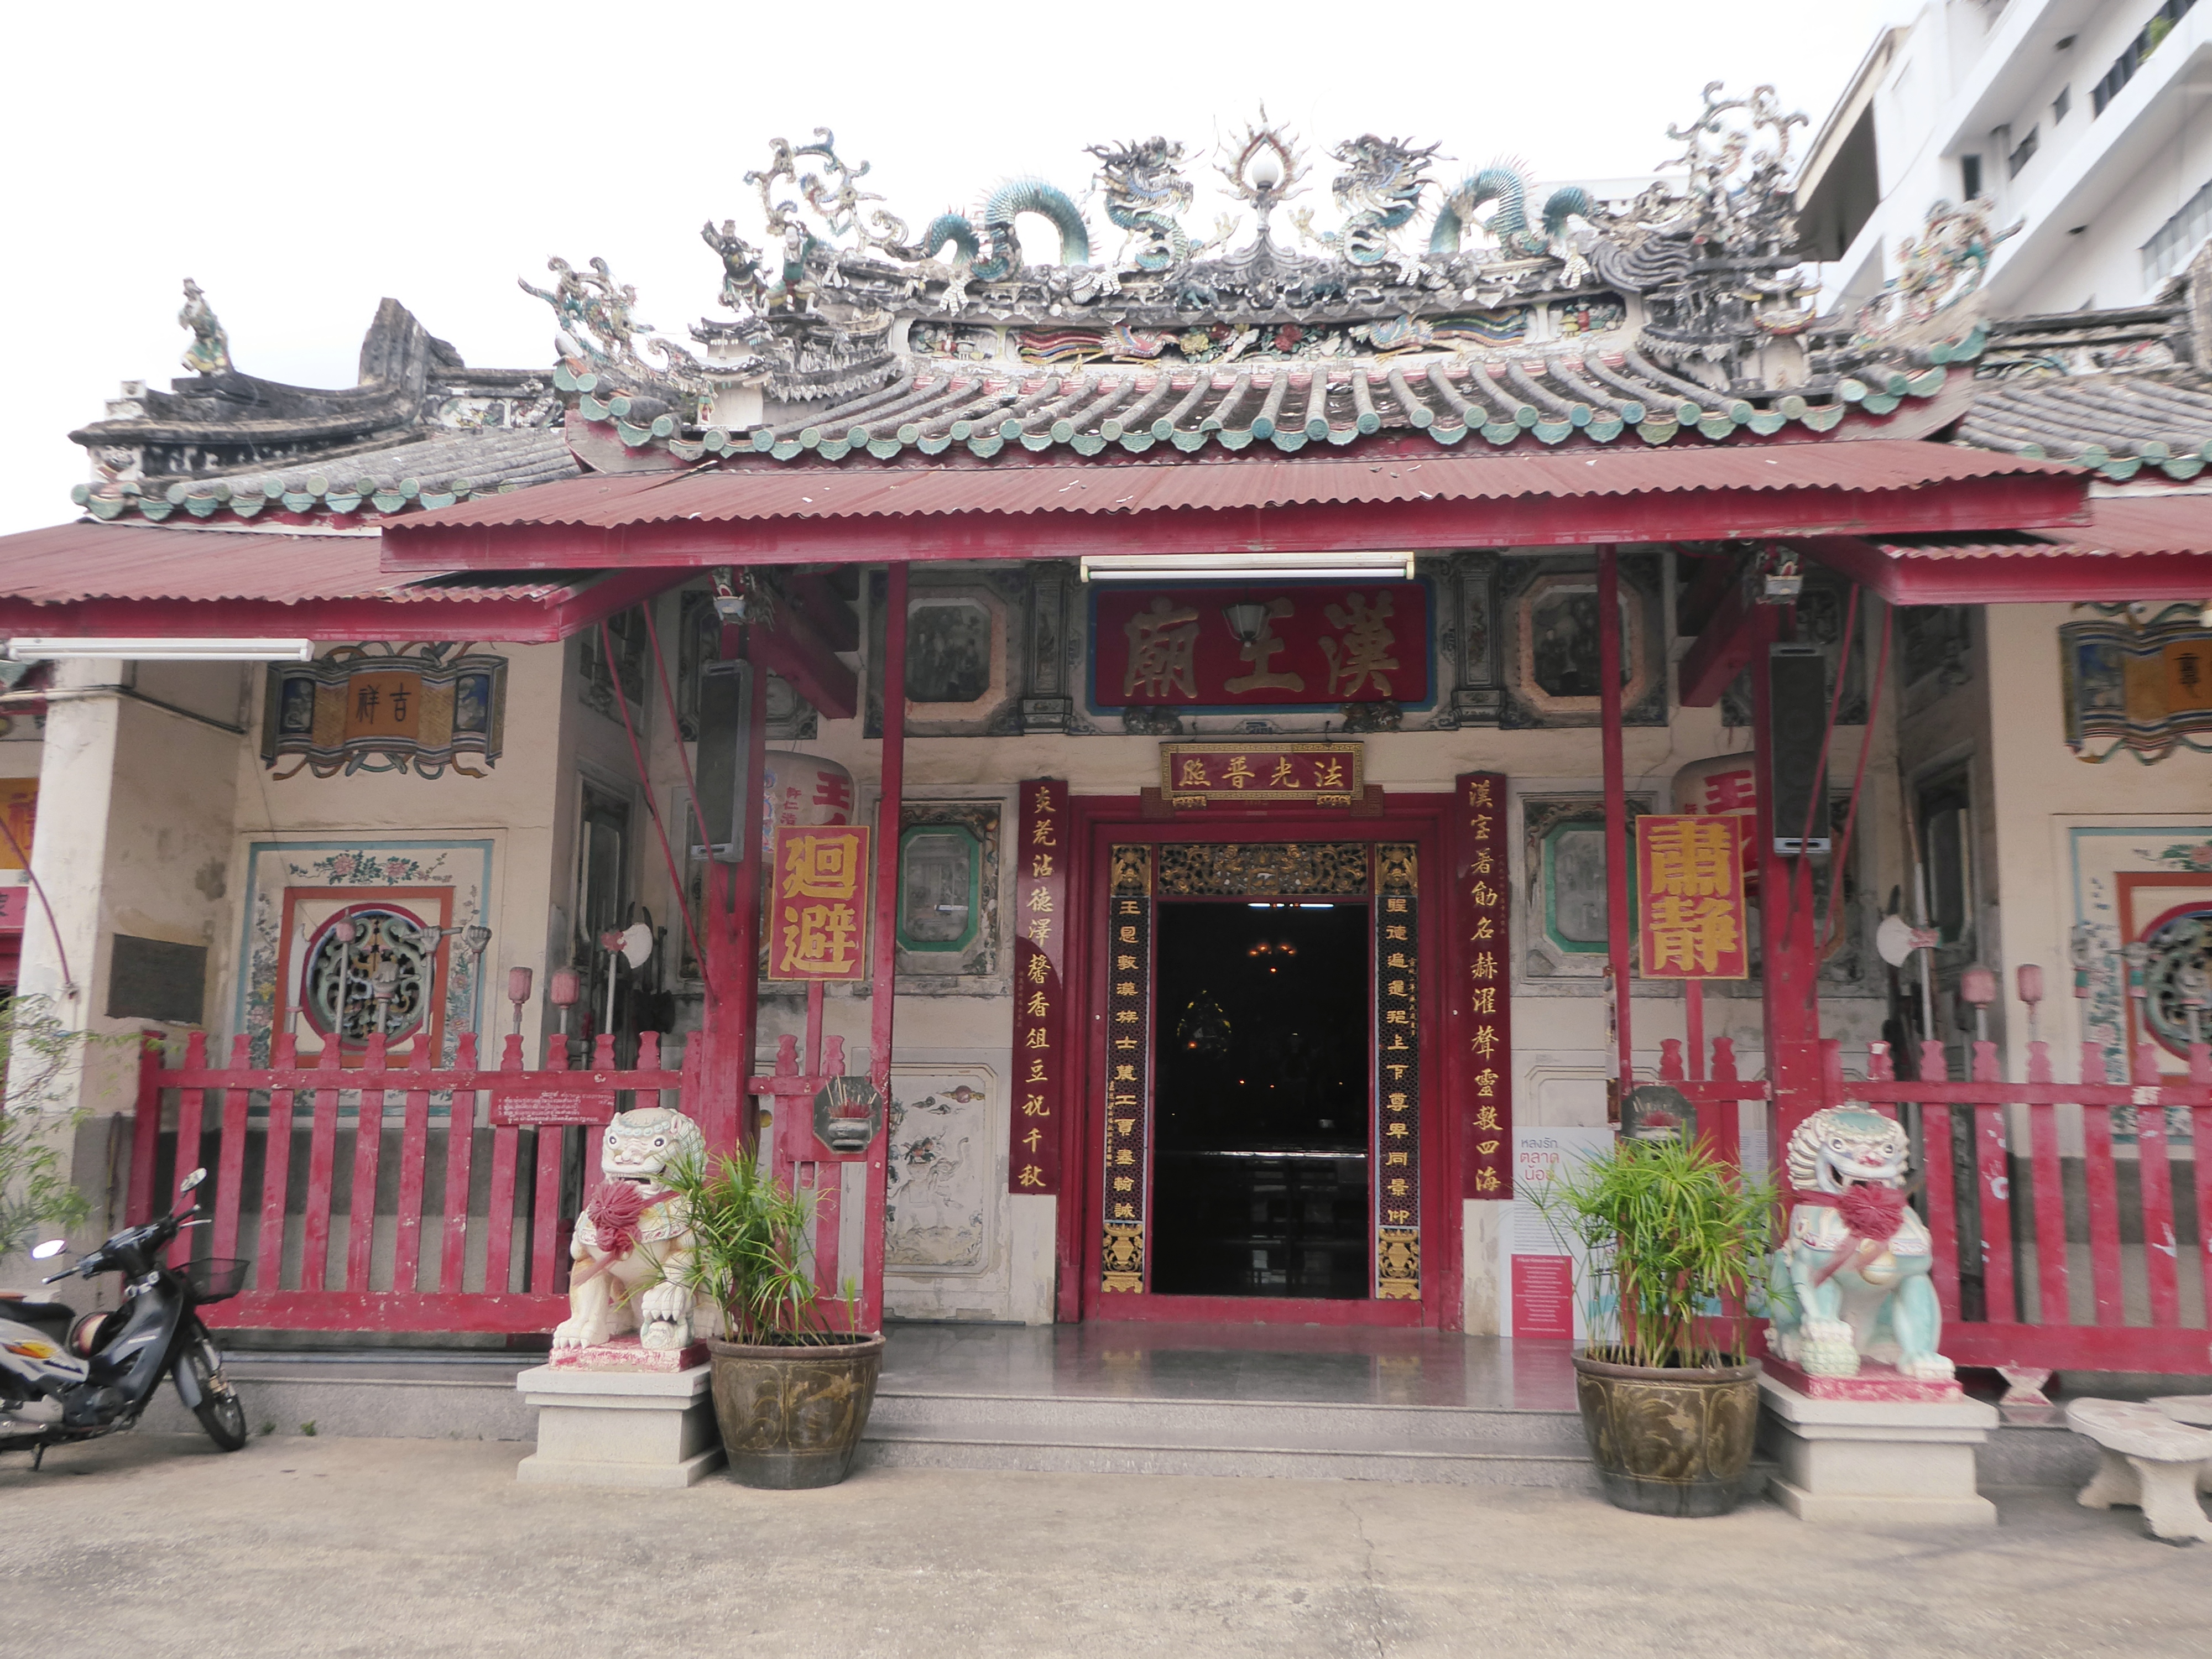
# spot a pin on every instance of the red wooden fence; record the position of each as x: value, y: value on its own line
x: 2119, y: 1280
x: 2119, y: 1277
x: 443, y: 1262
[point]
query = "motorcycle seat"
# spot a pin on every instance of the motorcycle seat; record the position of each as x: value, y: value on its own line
x: 46, y: 1316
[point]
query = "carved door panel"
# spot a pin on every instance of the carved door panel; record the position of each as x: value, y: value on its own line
x: 1312, y: 1107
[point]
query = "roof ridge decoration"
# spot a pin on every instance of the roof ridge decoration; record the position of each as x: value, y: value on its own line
x: 420, y: 430
x: 1679, y: 308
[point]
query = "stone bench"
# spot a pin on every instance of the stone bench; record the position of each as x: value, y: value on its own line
x: 2196, y: 1409
x: 2151, y: 1461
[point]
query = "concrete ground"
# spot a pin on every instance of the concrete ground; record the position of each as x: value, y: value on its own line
x: 155, y: 1545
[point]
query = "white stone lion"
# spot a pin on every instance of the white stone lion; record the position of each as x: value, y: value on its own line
x: 634, y: 1240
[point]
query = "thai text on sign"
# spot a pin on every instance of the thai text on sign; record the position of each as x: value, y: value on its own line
x: 818, y: 911
x: 1033, y: 1159
x: 1480, y: 912
x: 1691, y: 921
x: 1325, y: 773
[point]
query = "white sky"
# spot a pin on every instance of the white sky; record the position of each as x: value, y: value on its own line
x: 301, y: 161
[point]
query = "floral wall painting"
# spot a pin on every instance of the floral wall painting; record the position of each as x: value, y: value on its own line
x: 378, y: 708
x: 2146, y: 882
x: 317, y: 910
x: 1548, y: 639
x: 941, y: 1185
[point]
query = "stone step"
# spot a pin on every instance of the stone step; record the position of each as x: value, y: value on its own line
x: 1468, y: 1446
x: 1387, y: 1461
x: 1172, y: 1420
x: 434, y: 1398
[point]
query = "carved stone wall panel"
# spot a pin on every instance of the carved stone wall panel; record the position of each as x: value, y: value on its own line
x: 1547, y: 640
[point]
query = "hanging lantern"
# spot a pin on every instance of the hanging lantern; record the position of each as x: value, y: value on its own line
x: 803, y: 791
x: 1726, y: 786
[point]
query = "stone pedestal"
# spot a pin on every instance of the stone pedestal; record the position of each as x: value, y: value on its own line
x: 1875, y: 1462
x: 621, y: 1428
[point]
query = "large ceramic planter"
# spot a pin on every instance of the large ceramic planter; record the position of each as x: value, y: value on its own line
x: 1668, y: 1441
x: 791, y: 1418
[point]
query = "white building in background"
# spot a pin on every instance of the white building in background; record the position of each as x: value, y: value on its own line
x: 2087, y: 121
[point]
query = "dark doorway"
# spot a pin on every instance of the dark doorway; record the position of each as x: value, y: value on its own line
x: 1261, y: 1091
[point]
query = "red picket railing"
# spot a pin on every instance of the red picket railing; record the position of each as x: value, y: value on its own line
x: 471, y: 1233
x: 2059, y: 1240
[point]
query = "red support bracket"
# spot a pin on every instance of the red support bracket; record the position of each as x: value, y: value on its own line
x: 1740, y: 630
x: 793, y: 649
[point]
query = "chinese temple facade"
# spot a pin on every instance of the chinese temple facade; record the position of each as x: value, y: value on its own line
x: 1202, y: 691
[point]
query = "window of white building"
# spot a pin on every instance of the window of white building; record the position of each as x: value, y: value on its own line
x: 2178, y: 239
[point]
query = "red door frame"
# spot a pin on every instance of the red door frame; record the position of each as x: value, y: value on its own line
x: 1101, y: 820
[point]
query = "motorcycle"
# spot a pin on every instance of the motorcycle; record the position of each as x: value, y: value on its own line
x: 65, y: 1378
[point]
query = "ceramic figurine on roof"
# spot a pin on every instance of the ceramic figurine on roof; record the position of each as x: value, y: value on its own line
x: 1938, y: 272
x: 209, y: 351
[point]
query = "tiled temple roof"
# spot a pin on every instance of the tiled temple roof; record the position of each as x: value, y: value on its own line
x: 424, y: 470
x: 2124, y: 391
x: 1603, y: 394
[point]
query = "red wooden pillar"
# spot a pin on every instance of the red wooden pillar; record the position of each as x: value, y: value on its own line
x: 883, y: 991
x: 1616, y: 819
x: 1788, y: 933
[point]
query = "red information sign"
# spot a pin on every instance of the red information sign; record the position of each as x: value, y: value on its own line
x: 1544, y: 1296
x: 1691, y: 921
x: 1040, y: 957
x: 1261, y: 647
x: 14, y: 909
x: 584, y: 1101
x: 1481, y: 955
x: 818, y: 908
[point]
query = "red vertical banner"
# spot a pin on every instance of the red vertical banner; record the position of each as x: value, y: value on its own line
x: 1481, y: 959
x: 1040, y: 981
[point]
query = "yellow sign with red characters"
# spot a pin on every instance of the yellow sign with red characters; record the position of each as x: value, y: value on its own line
x: 818, y: 905
x: 1691, y: 920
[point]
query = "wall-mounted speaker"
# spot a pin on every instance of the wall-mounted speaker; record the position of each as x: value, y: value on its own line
x: 1796, y: 725
x: 726, y: 695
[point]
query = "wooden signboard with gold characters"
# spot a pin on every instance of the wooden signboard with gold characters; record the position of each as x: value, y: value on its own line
x: 375, y: 708
x: 1261, y: 773
x: 817, y: 907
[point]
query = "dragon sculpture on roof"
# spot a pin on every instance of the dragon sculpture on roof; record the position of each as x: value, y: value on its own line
x: 1380, y: 191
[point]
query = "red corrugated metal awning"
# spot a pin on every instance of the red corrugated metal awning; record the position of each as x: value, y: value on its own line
x: 95, y: 578
x: 854, y: 511
x: 2146, y: 546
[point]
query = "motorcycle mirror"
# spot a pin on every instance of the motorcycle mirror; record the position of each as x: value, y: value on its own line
x: 47, y: 1251
x: 191, y: 1180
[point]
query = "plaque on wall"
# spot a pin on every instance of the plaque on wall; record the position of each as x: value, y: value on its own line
x: 155, y: 979
x: 377, y: 709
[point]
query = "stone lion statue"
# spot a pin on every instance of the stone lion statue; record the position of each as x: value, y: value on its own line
x: 633, y: 1240
x: 1851, y: 1280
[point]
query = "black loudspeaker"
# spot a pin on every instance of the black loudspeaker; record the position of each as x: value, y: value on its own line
x: 1797, y: 721
x: 725, y: 694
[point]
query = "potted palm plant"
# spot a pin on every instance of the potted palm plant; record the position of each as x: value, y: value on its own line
x: 792, y: 1389
x: 1673, y: 1239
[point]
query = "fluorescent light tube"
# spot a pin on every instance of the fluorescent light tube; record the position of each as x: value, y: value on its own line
x: 1247, y: 567
x: 141, y: 650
